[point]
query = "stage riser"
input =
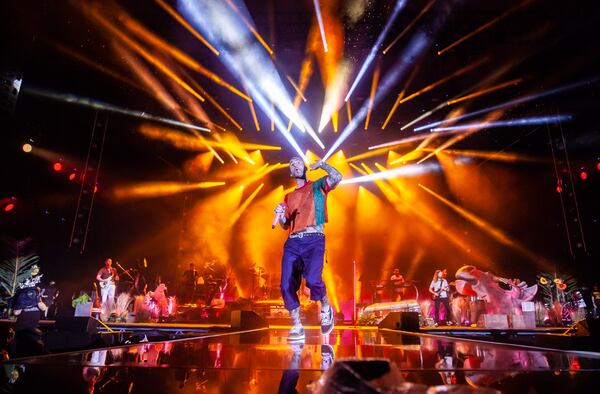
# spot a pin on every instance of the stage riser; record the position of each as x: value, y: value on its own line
x: 405, y: 321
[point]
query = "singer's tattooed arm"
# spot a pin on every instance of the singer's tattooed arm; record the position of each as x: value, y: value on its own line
x: 333, y: 176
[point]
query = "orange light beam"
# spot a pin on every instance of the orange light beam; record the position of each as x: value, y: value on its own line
x: 349, y: 111
x: 391, y: 193
x: 184, y: 23
x: 250, y: 27
x: 272, y: 119
x: 409, y: 80
x: 445, y: 79
x: 296, y: 88
x: 185, y: 141
x: 486, y: 25
x: 372, y: 95
x: 159, y: 189
x: 357, y: 168
x: 410, y: 25
x: 490, y: 118
x: 94, y: 64
x: 483, y: 83
x: 145, y: 54
x: 214, y: 102
x: 305, y: 73
x: 161, y: 94
x: 236, y: 215
x: 494, y: 232
x: 366, y: 155
x: 254, y: 117
x: 486, y: 91
x: 179, y: 55
x: 261, y: 172
x: 415, y: 153
x: 498, y: 156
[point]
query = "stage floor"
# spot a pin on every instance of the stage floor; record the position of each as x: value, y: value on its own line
x: 262, y: 360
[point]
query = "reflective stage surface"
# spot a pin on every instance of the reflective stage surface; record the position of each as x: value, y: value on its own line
x: 262, y: 361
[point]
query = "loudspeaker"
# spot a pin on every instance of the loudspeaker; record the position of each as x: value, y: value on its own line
x: 405, y: 321
x: 76, y: 324
x: 247, y: 320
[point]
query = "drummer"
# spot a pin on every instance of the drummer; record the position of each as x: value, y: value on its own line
x: 397, y: 281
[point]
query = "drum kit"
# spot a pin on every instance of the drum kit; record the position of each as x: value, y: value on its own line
x: 211, y: 285
x: 265, y: 285
x: 387, y: 290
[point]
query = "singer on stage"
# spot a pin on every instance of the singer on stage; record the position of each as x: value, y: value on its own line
x: 304, y: 213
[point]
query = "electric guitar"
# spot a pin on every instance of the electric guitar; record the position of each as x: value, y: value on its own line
x: 438, y: 292
x: 107, y: 282
x: 97, y: 304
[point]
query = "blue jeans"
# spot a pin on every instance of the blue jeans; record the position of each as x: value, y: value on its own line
x: 302, y: 257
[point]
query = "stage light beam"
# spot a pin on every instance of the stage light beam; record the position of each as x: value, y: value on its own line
x: 410, y: 25
x: 296, y: 88
x: 371, y: 56
x: 91, y: 103
x: 534, y: 120
x: 372, y: 95
x: 512, y: 103
x: 159, y: 189
x: 189, y: 28
x: 485, y: 91
x: 238, y: 213
x: 445, y: 79
x: 250, y: 27
x: 321, y: 26
x: 489, y: 229
x: 483, y: 27
x: 401, y: 95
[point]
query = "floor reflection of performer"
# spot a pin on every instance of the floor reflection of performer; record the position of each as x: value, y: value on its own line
x: 290, y: 376
x: 440, y: 290
x: 108, y: 278
x: 397, y: 281
x: 304, y: 213
x: 446, y: 362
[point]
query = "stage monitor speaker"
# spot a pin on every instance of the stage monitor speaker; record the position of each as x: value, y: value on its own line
x: 405, y: 321
x: 77, y: 324
x: 247, y: 320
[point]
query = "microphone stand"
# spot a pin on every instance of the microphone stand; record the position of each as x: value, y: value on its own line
x: 126, y: 271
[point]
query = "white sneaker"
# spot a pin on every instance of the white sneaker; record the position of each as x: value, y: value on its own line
x: 327, y: 321
x: 296, y: 334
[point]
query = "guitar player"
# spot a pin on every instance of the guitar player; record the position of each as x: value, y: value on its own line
x: 108, y: 278
x: 440, y: 291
